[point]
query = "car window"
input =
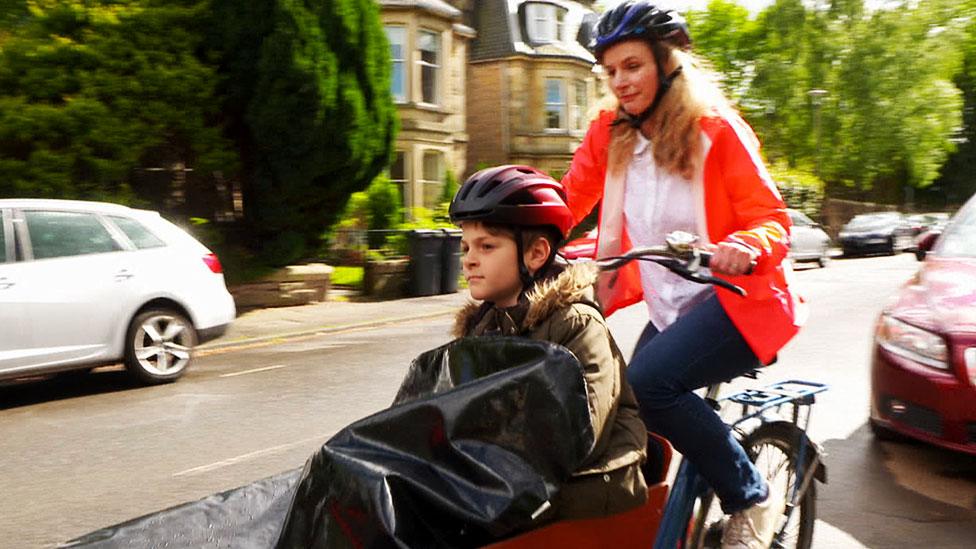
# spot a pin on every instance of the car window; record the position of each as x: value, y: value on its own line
x: 61, y: 234
x: 959, y: 239
x: 799, y: 219
x: 868, y: 220
x: 137, y: 233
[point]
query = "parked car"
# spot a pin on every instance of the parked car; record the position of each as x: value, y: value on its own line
x: 808, y: 240
x: 583, y: 247
x: 886, y: 232
x: 923, y: 222
x: 923, y: 368
x: 84, y: 284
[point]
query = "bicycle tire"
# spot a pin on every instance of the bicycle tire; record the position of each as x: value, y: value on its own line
x: 705, y: 527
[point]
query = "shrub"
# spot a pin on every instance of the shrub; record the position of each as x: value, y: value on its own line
x: 801, y: 190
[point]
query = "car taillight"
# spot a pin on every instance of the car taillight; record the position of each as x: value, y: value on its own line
x: 213, y: 263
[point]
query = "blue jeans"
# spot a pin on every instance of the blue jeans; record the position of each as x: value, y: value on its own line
x: 700, y: 348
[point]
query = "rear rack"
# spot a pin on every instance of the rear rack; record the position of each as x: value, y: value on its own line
x: 795, y: 392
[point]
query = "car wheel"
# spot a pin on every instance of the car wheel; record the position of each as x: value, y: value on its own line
x: 824, y: 258
x: 159, y: 345
x: 892, y: 247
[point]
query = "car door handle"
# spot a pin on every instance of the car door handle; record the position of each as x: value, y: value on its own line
x: 123, y: 275
x: 5, y: 283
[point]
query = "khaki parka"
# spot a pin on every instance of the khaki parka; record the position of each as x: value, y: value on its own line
x: 562, y: 309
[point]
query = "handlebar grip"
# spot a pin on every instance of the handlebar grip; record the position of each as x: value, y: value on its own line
x: 706, y: 259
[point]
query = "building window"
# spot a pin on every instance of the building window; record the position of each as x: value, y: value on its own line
x: 544, y: 22
x: 433, y: 181
x: 555, y: 104
x: 398, y: 46
x: 581, y: 104
x: 430, y: 51
x: 398, y: 175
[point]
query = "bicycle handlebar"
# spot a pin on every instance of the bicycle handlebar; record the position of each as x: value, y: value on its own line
x: 684, y: 261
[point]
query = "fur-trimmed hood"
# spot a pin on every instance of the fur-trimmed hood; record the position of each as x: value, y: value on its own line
x: 570, y: 284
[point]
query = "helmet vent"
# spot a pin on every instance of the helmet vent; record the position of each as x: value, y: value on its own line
x: 488, y: 187
x: 465, y: 191
x: 521, y: 197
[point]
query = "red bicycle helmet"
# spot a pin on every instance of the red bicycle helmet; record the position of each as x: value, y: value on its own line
x: 513, y: 195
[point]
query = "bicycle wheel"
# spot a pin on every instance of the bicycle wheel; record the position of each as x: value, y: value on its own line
x: 775, y: 449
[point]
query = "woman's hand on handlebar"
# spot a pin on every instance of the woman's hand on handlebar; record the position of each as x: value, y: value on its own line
x: 732, y: 259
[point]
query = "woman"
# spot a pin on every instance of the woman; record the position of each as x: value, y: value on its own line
x: 672, y: 154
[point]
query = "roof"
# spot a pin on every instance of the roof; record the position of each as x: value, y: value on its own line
x: 57, y: 204
x: 436, y: 7
x: 500, y: 32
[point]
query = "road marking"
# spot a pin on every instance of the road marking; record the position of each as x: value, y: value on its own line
x: 245, y: 457
x: 255, y: 370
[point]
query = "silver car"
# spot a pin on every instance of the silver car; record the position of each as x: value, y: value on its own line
x: 808, y: 241
x: 84, y: 284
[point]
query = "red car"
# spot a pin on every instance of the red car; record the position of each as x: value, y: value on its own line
x: 583, y: 247
x: 923, y: 370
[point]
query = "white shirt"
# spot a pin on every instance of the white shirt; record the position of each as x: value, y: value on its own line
x: 657, y: 202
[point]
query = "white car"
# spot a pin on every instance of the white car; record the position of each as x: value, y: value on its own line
x: 808, y: 241
x: 84, y: 284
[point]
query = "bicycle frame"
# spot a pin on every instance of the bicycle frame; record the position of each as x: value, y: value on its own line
x: 688, y: 484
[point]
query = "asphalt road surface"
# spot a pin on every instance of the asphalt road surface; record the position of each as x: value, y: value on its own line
x: 81, y: 453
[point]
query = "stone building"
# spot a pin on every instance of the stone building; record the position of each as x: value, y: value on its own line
x: 484, y: 82
x: 530, y: 82
x: 429, y: 46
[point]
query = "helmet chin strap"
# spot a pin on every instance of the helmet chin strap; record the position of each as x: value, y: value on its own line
x: 527, y: 279
x: 664, y: 84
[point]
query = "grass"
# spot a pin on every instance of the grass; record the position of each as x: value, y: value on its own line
x: 347, y: 276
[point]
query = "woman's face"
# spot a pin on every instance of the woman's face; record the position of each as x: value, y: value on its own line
x: 632, y: 74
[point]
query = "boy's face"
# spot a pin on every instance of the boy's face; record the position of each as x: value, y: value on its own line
x: 489, y: 265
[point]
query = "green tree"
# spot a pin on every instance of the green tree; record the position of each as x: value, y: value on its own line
x: 956, y: 182
x: 725, y: 35
x: 894, y: 109
x: 891, y: 111
x: 307, y: 89
x: 92, y: 91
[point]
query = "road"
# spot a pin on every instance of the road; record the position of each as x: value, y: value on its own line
x: 83, y: 453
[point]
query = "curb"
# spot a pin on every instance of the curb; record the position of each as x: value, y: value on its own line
x: 218, y: 345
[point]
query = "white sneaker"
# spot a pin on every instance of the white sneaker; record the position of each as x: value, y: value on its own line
x: 754, y: 528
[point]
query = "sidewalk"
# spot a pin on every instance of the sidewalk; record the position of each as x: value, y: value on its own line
x: 348, y: 311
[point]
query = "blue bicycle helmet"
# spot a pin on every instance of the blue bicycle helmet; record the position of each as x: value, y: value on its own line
x: 641, y: 21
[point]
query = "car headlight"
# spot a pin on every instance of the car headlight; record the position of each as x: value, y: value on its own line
x: 913, y: 343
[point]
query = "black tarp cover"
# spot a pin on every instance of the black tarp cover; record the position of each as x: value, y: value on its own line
x: 479, y: 437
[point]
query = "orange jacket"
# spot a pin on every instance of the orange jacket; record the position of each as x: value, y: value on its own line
x: 738, y: 202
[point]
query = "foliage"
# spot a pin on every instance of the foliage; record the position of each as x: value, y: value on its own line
x: 956, y: 182
x: 383, y: 201
x: 307, y: 89
x: 347, y: 276
x: 420, y: 219
x: 891, y: 110
x: 92, y: 92
x: 801, y: 190
x: 450, y: 187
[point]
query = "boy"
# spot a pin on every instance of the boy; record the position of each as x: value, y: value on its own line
x: 512, y: 218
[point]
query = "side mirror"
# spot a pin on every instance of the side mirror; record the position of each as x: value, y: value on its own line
x: 925, y: 244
